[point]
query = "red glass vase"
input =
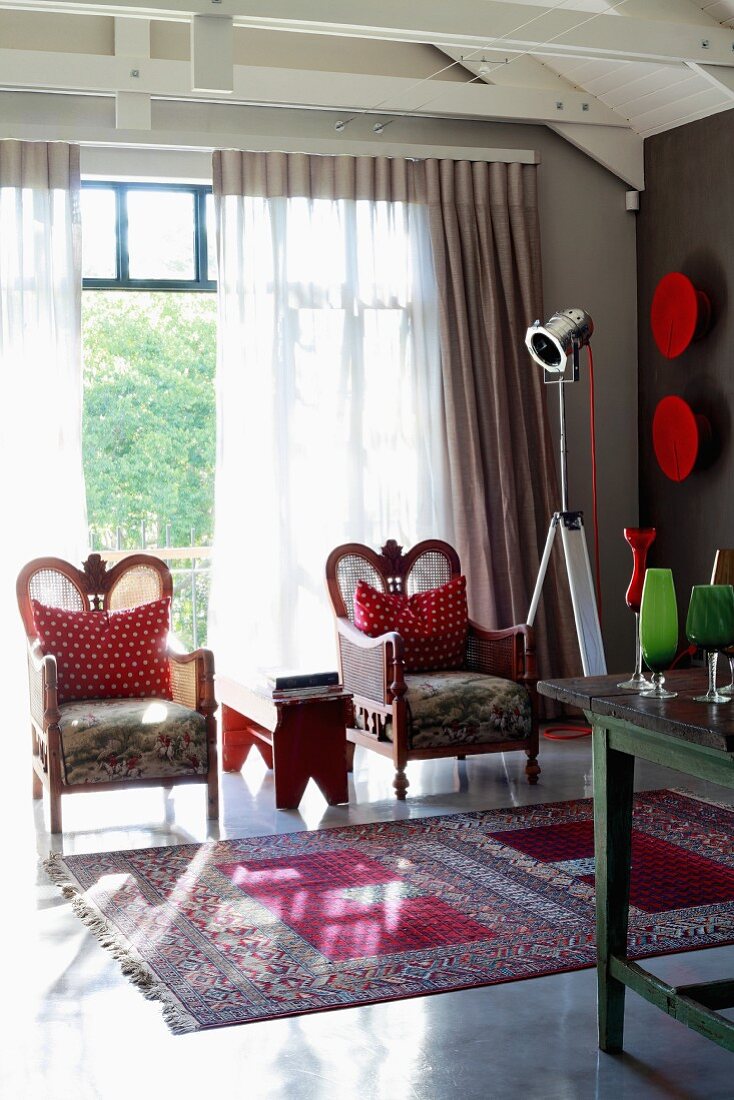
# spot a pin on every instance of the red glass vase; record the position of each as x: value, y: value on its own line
x: 640, y: 540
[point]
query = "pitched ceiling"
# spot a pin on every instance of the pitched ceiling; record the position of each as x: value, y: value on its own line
x: 602, y: 73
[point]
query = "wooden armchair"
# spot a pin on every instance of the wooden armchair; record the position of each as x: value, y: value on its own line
x: 490, y: 705
x: 92, y: 744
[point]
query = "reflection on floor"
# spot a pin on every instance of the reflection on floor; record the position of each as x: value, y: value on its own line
x: 74, y: 1027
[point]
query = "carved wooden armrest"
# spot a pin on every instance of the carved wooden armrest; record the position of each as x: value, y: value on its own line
x: 192, y: 679
x: 42, y: 686
x: 372, y: 668
x: 509, y: 653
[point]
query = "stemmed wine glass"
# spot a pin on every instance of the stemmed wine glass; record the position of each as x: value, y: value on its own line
x: 658, y: 629
x: 728, y: 690
x: 640, y: 540
x: 710, y: 624
x: 723, y: 573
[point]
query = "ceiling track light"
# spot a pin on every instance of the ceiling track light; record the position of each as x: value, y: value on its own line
x: 379, y: 127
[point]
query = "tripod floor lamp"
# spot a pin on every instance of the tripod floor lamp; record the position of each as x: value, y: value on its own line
x: 550, y: 346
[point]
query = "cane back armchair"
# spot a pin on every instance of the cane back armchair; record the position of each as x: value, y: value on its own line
x: 92, y: 744
x: 487, y: 706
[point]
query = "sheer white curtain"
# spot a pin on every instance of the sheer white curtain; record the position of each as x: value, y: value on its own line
x: 44, y: 508
x: 329, y: 407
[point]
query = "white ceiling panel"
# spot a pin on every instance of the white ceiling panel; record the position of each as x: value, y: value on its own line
x: 703, y: 103
x: 639, y: 85
x: 602, y: 73
x: 720, y: 10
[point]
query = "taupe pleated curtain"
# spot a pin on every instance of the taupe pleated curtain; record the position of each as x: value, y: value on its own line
x: 485, y: 239
x: 40, y: 165
x: 486, y: 243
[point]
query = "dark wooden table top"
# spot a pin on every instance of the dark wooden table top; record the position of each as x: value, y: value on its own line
x: 707, y: 724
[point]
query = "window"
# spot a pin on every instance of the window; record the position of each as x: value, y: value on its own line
x: 149, y: 360
x: 146, y: 236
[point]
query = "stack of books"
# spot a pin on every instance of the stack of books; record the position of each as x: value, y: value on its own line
x: 289, y: 684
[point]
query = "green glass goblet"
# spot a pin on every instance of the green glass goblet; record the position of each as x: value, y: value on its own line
x: 658, y: 629
x: 710, y: 625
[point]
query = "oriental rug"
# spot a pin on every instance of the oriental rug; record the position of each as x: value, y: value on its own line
x: 234, y: 931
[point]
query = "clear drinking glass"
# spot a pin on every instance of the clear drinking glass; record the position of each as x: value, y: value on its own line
x: 658, y: 628
x: 640, y: 540
x: 710, y: 624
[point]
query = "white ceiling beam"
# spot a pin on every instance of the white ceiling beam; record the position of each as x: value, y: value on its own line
x: 463, y: 23
x: 212, y: 53
x: 206, y: 126
x: 718, y: 76
x: 31, y: 69
x: 619, y: 151
x: 132, y: 111
x: 132, y: 37
x: 132, y: 41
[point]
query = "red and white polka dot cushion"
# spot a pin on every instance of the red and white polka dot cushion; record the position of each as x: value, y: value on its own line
x: 107, y: 654
x: 432, y: 624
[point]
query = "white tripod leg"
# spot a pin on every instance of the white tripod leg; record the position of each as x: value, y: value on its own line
x: 553, y: 527
x: 580, y: 582
x: 583, y: 597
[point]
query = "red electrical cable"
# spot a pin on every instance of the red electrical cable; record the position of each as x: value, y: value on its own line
x: 686, y: 651
x: 568, y: 733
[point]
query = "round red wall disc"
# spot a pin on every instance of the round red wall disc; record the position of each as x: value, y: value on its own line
x: 674, y: 314
x: 675, y: 437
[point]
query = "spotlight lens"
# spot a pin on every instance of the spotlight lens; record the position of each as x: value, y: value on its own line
x: 545, y: 350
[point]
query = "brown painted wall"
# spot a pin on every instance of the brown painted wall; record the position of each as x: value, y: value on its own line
x: 686, y: 223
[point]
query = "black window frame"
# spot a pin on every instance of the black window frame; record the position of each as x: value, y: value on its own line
x: 122, y: 280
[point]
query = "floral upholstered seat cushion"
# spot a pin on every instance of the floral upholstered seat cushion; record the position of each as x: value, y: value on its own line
x: 118, y: 739
x: 465, y: 708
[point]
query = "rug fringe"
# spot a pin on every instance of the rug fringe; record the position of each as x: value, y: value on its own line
x: 132, y: 965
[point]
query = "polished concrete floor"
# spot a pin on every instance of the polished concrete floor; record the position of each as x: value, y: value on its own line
x: 73, y: 1027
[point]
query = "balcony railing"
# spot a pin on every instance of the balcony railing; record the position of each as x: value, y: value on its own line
x: 191, y: 571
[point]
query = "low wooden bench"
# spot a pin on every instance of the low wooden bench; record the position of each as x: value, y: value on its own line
x: 301, y: 737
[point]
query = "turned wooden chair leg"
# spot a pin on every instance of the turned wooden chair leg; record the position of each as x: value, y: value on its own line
x: 400, y: 783
x: 212, y: 779
x: 212, y: 795
x: 532, y: 768
x: 55, y: 811
x: 37, y: 784
x: 54, y: 776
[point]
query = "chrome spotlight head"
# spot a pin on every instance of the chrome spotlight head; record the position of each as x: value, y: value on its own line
x: 551, y: 344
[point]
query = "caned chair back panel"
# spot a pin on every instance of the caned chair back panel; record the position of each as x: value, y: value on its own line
x: 137, y: 579
x: 356, y: 563
x: 53, y: 582
x: 57, y: 590
x: 723, y: 567
x: 428, y: 565
x: 137, y: 583
x: 430, y: 568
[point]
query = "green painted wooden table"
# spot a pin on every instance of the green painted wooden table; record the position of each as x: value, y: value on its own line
x: 693, y: 738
